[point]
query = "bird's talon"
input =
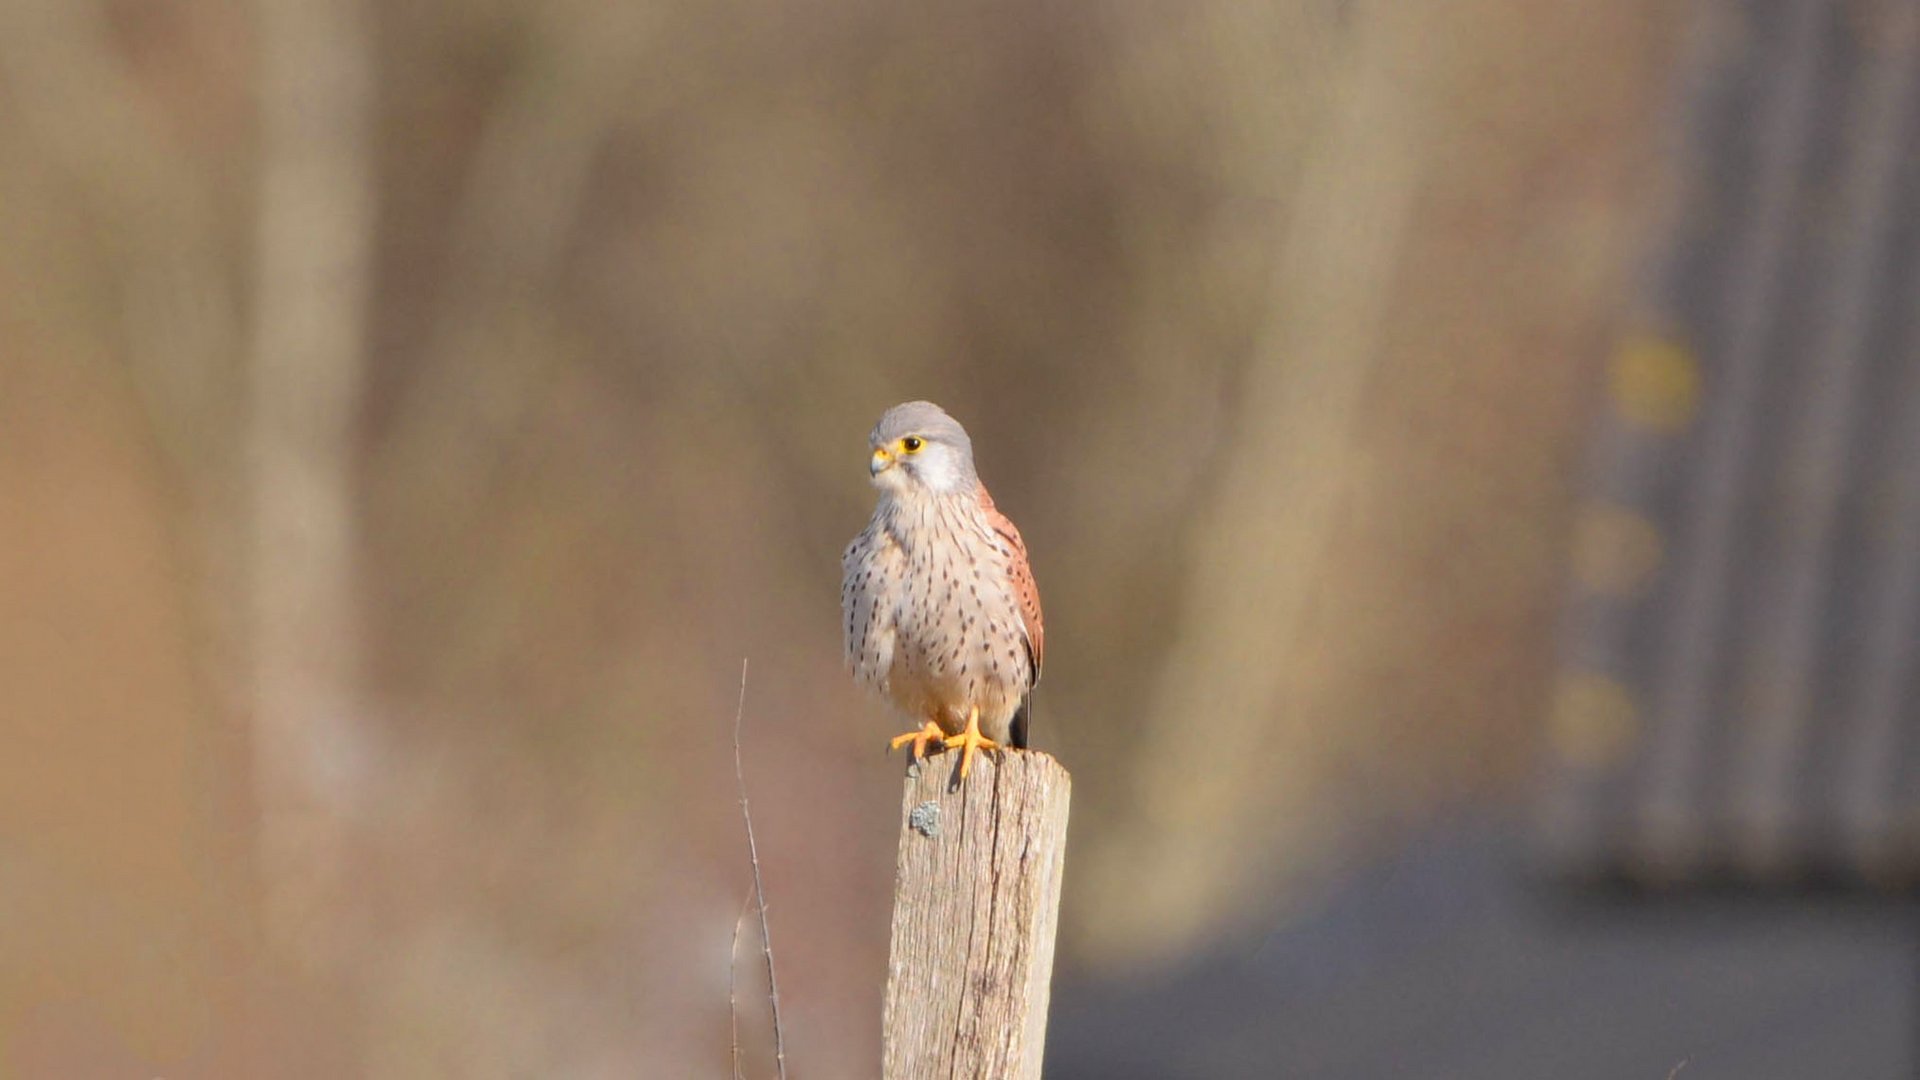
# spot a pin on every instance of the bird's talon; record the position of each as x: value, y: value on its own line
x: 969, y: 741
x: 929, y: 733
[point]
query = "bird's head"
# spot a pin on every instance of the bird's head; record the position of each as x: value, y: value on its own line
x: 916, y: 448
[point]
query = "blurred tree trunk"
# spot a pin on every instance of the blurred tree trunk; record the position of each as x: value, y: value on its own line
x: 1258, y: 548
x: 313, y: 243
x: 1364, y: 605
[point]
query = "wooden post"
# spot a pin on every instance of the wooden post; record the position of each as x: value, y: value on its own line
x: 976, y: 901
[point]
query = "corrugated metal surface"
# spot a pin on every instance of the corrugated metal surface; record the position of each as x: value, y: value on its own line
x: 1740, y: 691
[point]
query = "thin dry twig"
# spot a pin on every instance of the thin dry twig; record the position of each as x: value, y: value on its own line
x: 733, y: 997
x: 759, y: 891
x: 1677, y: 1068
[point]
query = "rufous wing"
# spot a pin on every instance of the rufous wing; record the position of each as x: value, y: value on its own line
x: 1024, y: 589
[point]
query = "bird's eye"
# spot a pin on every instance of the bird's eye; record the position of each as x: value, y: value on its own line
x: 912, y: 444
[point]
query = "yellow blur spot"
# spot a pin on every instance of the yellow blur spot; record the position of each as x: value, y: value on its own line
x: 1615, y: 550
x: 1655, y: 383
x: 1594, y: 720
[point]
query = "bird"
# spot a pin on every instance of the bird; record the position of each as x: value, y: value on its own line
x: 941, y: 611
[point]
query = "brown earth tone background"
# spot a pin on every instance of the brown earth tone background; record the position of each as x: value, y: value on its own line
x: 410, y: 416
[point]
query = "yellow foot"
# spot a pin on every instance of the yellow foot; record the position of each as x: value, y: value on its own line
x: 919, y: 739
x: 969, y: 741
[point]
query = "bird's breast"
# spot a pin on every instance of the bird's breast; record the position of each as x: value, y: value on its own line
x: 958, y: 642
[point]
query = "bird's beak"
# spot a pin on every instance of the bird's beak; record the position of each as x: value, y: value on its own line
x: 879, y: 462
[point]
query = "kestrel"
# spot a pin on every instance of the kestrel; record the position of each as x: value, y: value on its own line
x: 941, y: 612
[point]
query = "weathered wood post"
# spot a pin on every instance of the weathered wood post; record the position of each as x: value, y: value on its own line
x: 976, y: 902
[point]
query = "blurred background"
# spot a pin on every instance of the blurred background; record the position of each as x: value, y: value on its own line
x: 1470, y: 454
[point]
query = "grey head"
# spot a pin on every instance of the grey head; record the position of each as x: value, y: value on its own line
x: 917, y: 448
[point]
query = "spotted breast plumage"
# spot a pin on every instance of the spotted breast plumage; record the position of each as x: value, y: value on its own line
x: 940, y: 609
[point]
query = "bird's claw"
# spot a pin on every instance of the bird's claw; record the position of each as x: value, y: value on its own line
x: 969, y: 741
x: 929, y: 733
